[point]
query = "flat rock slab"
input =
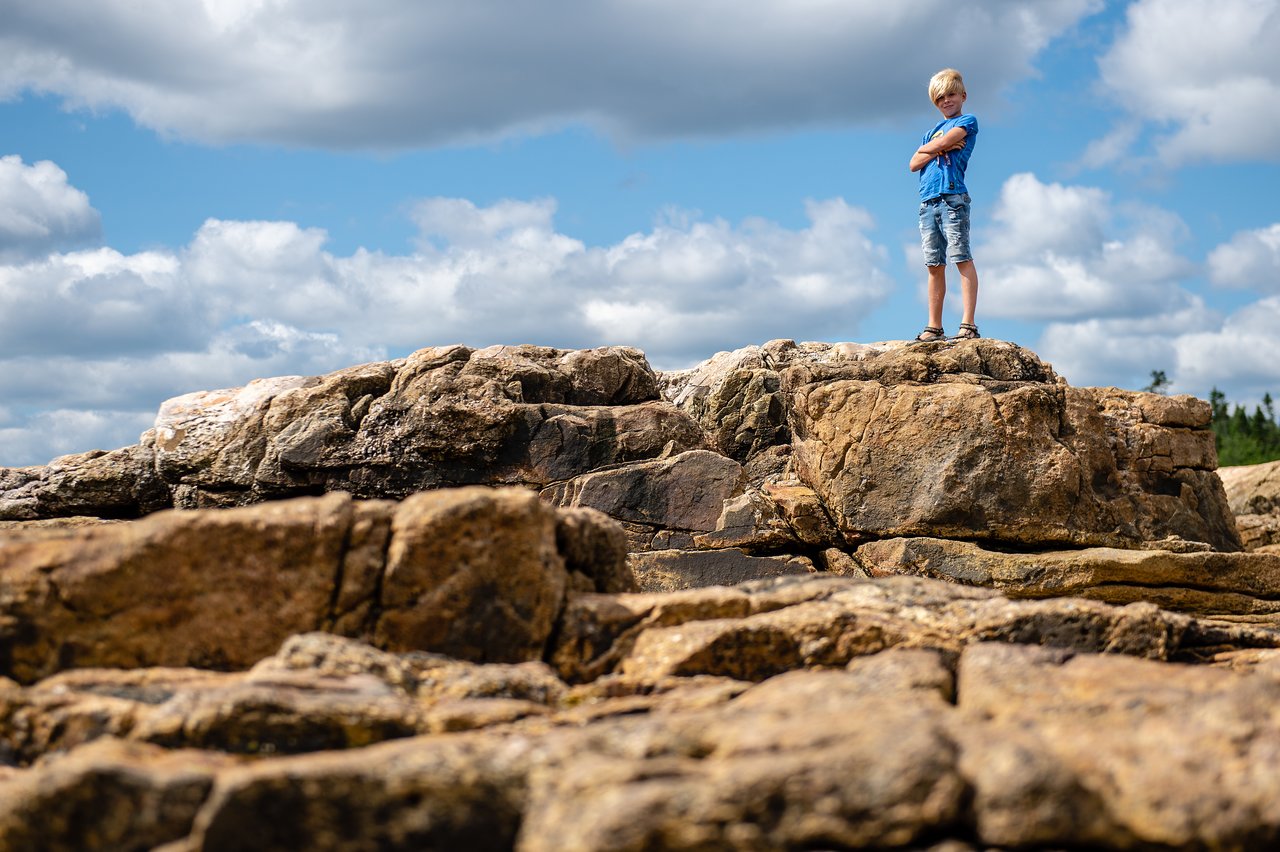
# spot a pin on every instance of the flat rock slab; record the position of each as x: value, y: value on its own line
x: 672, y: 570
x: 1238, y: 586
x: 757, y: 630
x: 995, y: 745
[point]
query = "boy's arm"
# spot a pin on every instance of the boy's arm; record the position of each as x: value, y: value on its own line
x: 952, y: 140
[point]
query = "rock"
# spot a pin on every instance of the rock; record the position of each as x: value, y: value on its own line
x: 980, y: 440
x: 984, y: 723
x: 445, y: 416
x: 472, y: 572
x: 1252, y: 489
x: 1111, y: 752
x: 1237, y: 586
x: 211, y: 589
x: 118, y: 484
x: 109, y: 795
x: 671, y: 570
x: 319, y: 692
x: 757, y: 630
x: 446, y: 793
x: 685, y: 492
x: 737, y: 399
x: 1259, y: 532
x: 594, y: 551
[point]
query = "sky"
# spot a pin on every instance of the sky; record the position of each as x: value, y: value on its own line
x: 198, y: 193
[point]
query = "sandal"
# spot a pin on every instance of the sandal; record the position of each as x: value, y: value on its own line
x: 968, y: 331
x: 936, y: 334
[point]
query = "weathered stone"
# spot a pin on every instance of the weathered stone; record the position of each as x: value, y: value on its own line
x: 781, y: 767
x: 757, y: 630
x: 445, y: 416
x: 1241, y: 586
x: 212, y: 589
x: 803, y: 511
x: 215, y: 437
x: 473, y: 573
x: 119, y: 484
x: 1109, y: 752
x: 594, y: 549
x: 736, y: 398
x: 109, y: 795
x: 1259, y: 532
x: 672, y: 570
x: 979, y: 440
x: 750, y: 520
x: 444, y: 793
x: 318, y: 692
x: 1252, y: 489
x: 685, y: 492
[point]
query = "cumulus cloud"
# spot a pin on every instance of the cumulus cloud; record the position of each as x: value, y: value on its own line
x: 1059, y: 252
x: 1251, y: 259
x: 397, y: 73
x: 1124, y: 351
x: 112, y: 335
x: 40, y: 211
x: 1243, y: 353
x: 1209, y: 73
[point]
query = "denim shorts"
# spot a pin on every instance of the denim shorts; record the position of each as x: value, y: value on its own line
x: 944, y: 229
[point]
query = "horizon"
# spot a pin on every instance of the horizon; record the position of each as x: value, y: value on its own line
x: 207, y: 192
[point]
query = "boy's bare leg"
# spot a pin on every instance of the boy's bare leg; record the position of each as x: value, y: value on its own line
x: 937, y: 293
x: 968, y: 291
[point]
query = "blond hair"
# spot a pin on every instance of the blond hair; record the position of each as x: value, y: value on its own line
x: 946, y: 82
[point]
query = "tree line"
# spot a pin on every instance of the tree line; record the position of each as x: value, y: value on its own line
x: 1243, y: 437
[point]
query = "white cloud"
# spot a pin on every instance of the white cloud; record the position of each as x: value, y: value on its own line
x: 60, y: 432
x: 99, y: 331
x: 1060, y: 252
x: 1209, y: 73
x: 1243, y: 353
x: 1124, y: 351
x: 40, y: 212
x: 1251, y: 259
x: 397, y: 73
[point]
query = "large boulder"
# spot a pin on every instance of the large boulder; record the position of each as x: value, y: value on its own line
x: 120, y: 484
x: 1252, y: 489
x: 473, y: 572
x: 444, y: 416
x: 993, y: 745
x: 981, y: 440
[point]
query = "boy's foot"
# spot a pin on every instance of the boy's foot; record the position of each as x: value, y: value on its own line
x: 930, y: 334
x: 968, y: 331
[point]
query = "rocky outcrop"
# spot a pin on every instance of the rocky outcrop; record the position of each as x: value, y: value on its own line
x: 977, y: 440
x: 445, y: 416
x: 1253, y: 493
x: 478, y: 573
x: 983, y: 442
x: 974, y: 730
x: 985, y: 610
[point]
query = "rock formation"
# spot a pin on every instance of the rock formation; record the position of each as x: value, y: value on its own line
x: 1253, y: 493
x: 800, y: 596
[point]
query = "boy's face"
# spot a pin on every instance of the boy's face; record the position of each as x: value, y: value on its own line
x: 949, y: 105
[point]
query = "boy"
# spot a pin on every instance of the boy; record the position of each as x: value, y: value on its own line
x: 944, y: 203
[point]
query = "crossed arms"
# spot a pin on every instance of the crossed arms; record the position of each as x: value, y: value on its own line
x: 952, y: 140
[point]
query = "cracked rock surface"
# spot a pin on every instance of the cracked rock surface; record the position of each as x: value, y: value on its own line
x: 801, y: 596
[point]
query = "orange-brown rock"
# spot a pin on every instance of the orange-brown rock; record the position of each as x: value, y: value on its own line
x: 980, y: 440
x: 475, y: 572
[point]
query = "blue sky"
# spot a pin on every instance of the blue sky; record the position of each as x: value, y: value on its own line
x: 197, y: 193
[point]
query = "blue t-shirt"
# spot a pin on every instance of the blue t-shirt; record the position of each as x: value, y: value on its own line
x: 941, y: 177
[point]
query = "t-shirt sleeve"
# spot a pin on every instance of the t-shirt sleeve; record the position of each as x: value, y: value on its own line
x: 969, y: 123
